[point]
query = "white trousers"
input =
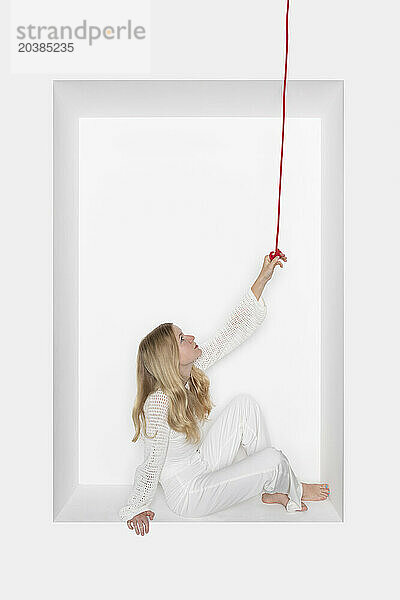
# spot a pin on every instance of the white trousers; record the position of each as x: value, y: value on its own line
x: 222, y: 482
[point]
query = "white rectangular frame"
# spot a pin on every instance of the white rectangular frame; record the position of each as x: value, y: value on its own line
x: 73, y: 99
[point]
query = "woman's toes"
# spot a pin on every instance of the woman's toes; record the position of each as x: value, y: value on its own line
x: 304, y: 507
x: 324, y: 491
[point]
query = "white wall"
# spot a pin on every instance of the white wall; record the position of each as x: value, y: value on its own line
x: 176, y: 215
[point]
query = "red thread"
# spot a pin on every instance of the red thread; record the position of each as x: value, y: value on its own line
x: 278, y: 252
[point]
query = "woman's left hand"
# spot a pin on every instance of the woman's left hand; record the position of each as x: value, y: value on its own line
x: 269, y: 266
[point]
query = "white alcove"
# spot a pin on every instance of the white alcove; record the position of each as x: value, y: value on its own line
x: 165, y: 200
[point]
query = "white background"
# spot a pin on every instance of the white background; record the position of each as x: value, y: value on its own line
x: 173, y: 227
x: 354, y: 41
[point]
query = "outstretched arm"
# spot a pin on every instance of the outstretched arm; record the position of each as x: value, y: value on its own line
x: 245, y: 318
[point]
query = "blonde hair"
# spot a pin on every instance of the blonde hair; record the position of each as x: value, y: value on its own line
x: 158, y: 367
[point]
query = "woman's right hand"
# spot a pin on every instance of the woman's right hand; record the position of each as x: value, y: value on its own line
x: 140, y: 522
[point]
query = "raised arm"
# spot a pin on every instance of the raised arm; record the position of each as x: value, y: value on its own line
x: 244, y: 319
x: 148, y: 473
x: 240, y: 324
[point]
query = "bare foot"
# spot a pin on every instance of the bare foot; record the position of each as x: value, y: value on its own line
x: 280, y: 499
x: 315, y: 491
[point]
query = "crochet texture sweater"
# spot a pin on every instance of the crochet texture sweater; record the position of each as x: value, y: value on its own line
x: 169, y: 452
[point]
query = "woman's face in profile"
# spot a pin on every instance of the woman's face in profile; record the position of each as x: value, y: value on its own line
x: 188, y: 349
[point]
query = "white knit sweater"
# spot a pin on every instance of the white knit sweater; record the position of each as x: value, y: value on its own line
x: 169, y: 452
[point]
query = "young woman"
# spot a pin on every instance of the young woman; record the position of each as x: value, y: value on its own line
x: 196, y: 470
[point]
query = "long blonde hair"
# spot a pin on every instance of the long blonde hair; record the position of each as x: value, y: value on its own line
x: 157, y: 367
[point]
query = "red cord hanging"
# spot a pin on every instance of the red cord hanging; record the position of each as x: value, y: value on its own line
x: 278, y: 252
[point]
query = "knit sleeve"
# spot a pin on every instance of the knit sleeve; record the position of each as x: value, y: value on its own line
x: 241, y: 323
x: 147, y: 474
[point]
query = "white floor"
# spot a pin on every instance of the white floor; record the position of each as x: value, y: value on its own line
x: 101, y: 503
